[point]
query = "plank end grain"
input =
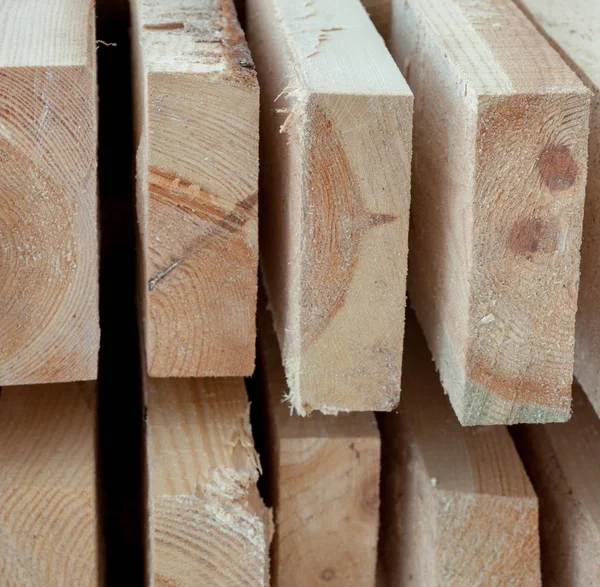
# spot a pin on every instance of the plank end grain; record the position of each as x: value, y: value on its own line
x: 451, y: 495
x: 499, y: 179
x: 335, y: 190
x: 208, y: 524
x: 323, y: 473
x: 197, y: 112
x: 49, y: 324
x: 48, y: 512
x: 573, y: 28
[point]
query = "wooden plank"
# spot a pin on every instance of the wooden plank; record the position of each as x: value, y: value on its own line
x: 573, y: 28
x: 48, y: 486
x: 500, y: 170
x: 324, y: 476
x: 208, y: 524
x: 457, y: 506
x: 380, y: 12
x: 335, y: 157
x: 197, y: 114
x: 49, y: 326
x: 563, y: 462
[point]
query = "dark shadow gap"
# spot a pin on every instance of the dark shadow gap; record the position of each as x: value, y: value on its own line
x: 119, y: 384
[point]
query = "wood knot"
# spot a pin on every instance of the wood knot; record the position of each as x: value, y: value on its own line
x: 557, y: 168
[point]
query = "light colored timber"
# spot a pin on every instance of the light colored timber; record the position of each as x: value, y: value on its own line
x: 208, y: 524
x: 457, y: 506
x: 335, y: 157
x: 49, y: 325
x: 563, y: 462
x: 324, y: 478
x: 48, y: 515
x: 197, y: 113
x: 573, y: 28
x: 499, y: 176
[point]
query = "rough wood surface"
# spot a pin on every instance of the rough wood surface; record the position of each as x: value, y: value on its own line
x: 499, y: 177
x: 208, y: 524
x: 48, y: 533
x: 324, y: 477
x: 49, y: 330
x: 563, y: 462
x: 335, y: 161
x: 197, y: 113
x: 457, y: 506
x: 573, y: 28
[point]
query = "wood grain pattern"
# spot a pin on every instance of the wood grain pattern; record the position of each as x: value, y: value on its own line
x: 48, y: 527
x: 324, y: 476
x: 208, y: 524
x: 49, y: 329
x: 499, y: 173
x: 197, y: 114
x: 457, y: 506
x: 335, y: 160
x: 573, y: 28
x: 563, y: 462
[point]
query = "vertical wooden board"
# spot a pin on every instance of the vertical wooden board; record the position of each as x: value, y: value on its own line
x: 335, y: 160
x: 457, y: 506
x: 499, y: 177
x: 48, y: 516
x: 573, y: 28
x: 49, y: 329
x: 197, y: 110
x: 208, y: 524
x: 324, y: 476
x: 563, y: 462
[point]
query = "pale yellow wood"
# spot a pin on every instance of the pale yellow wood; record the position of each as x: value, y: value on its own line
x: 457, y: 506
x: 573, y: 27
x: 563, y: 462
x: 499, y: 178
x: 49, y: 330
x: 336, y: 150
x: 48, y: 525
x: 324, y: 477
x: 197, y: 109
x: 208, y: 524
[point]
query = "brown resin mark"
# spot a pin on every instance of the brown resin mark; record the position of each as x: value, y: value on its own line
x: 328, y: 574
x: 166, y: 26
x: 331, y: 237
x: 534, y: 235
x: 167, y: 188
x: 557, y: 168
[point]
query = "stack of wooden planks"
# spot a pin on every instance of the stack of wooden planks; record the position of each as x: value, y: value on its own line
x: 444, y: 153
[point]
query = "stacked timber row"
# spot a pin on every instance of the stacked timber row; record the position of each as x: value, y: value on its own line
x: 489, y: 118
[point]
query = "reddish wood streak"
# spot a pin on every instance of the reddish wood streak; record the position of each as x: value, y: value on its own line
x: 331, y: 237
x: 557, y: 168
x: 165, y: 187
x: 533, y: 235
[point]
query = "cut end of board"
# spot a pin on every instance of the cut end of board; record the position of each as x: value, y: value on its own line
x: 207, y: 519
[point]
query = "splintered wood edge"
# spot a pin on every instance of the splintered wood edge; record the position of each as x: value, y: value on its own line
x: 217, y: 491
